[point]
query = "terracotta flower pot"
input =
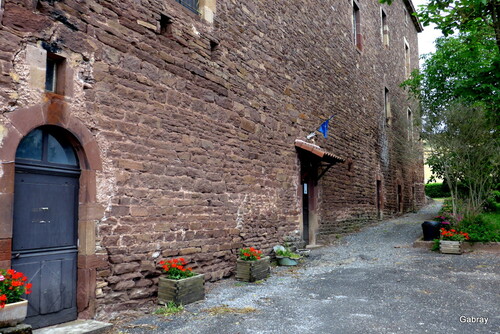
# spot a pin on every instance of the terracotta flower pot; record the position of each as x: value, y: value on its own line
x: 181, y: 291
x: 13, y: 313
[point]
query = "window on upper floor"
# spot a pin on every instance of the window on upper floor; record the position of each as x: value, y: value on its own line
x: 384, y: 29
x: 54, y: 74
x: 356, y: 26
x: 407, y: 59
x: 387, y: 107
x: 410, y: 124
x: 192, y: 5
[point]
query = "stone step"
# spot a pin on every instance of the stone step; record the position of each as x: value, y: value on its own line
x: 76, y: 327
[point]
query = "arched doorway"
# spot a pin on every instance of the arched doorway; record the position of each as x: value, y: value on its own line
x: 44, y: 238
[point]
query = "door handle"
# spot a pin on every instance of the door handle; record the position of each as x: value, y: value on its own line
x: 17, y: 256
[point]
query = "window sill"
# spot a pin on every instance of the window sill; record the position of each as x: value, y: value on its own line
x: 50, y: 96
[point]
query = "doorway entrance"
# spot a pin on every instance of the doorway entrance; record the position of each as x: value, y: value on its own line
x: 308, y: 180
x: 399, y: 199
x: 379, y: 199
x: 44, y: 239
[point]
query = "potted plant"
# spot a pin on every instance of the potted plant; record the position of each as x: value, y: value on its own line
x: 452, y: 241
x: 251, y: 266
x: 285, y: 256
x: 13, y: 308
x: 180, y: 285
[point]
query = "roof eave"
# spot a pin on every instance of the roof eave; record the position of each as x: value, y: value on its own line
x: 411, y: 9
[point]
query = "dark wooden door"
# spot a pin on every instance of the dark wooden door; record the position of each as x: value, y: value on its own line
x: 44, y: 236
x: 400, y: 198
x: 379, y: 199
x: 44, y: 244
x: 305, y: 212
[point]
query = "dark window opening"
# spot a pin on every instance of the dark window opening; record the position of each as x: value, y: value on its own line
x: 166, y: 26
x: 51, y: 75
x: 46, y: 145
x: 192, y: 5
x: 54, y: 74
x: 385, y: 30
x: 387, y: 107
x: 410, y: 125
x: 356, y: 20
x: 214, y: 50
x: 407, y: 60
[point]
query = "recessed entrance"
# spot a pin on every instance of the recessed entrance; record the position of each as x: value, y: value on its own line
x: 44, y: 240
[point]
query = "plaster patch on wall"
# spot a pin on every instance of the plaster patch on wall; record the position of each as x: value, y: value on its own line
x: 3, y: 133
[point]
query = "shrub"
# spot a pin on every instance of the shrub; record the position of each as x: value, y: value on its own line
x: 492, y: 203
x: 482, y: 228
x: 437, y: 190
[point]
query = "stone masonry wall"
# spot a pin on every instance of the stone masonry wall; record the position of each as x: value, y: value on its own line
x: 196, y: 122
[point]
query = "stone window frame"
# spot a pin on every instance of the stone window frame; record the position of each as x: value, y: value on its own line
x: 384, y: 27
x: 2, y: 4
x: 356, y: 25
x: 206, y: 9
x: 407, y: 58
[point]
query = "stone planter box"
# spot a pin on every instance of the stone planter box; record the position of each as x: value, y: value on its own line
x: 451, y: 247
x: 182, y: 291
x: 251, y: 271
x: 13, y: 313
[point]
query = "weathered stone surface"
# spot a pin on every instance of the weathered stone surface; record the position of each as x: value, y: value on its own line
x: 197, y: 140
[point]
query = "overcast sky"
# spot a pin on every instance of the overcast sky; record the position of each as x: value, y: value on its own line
x: 427, y: 37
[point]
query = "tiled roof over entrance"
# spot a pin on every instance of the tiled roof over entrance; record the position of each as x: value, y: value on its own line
x: 318, y: 151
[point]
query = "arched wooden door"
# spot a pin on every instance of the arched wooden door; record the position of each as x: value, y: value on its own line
x: 44, y: 241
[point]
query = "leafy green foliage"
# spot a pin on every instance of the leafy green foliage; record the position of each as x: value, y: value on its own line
x: 169, y: 309
x: 437, y: 190
x: 287, y: 253
x: 482, y: 228
x: 451, y: 16
x: 435, y: 245
x: 493, y: 201
x: 465, y: 68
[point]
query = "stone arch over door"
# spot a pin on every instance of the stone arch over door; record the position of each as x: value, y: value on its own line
x: 13, y: 128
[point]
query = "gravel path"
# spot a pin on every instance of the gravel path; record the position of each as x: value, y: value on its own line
x: 370, y: 282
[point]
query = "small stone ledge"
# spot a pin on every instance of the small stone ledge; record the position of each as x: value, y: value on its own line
x: 19, y: 329
x: 468, y: 246
x: 76, y: 327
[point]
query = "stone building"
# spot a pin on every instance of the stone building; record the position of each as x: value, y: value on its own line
x: 132, y: 131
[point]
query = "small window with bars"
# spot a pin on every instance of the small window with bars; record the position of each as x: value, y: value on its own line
x: 192, y: 5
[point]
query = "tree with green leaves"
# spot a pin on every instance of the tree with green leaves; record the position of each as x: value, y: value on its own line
x: 459, y: 90
x: 451, y: 16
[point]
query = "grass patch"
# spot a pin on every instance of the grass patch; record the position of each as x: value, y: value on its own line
x: 224, y: 309
x: 169, y: 309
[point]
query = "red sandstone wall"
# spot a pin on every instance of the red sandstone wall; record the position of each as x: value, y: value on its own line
x: 198, y: 144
